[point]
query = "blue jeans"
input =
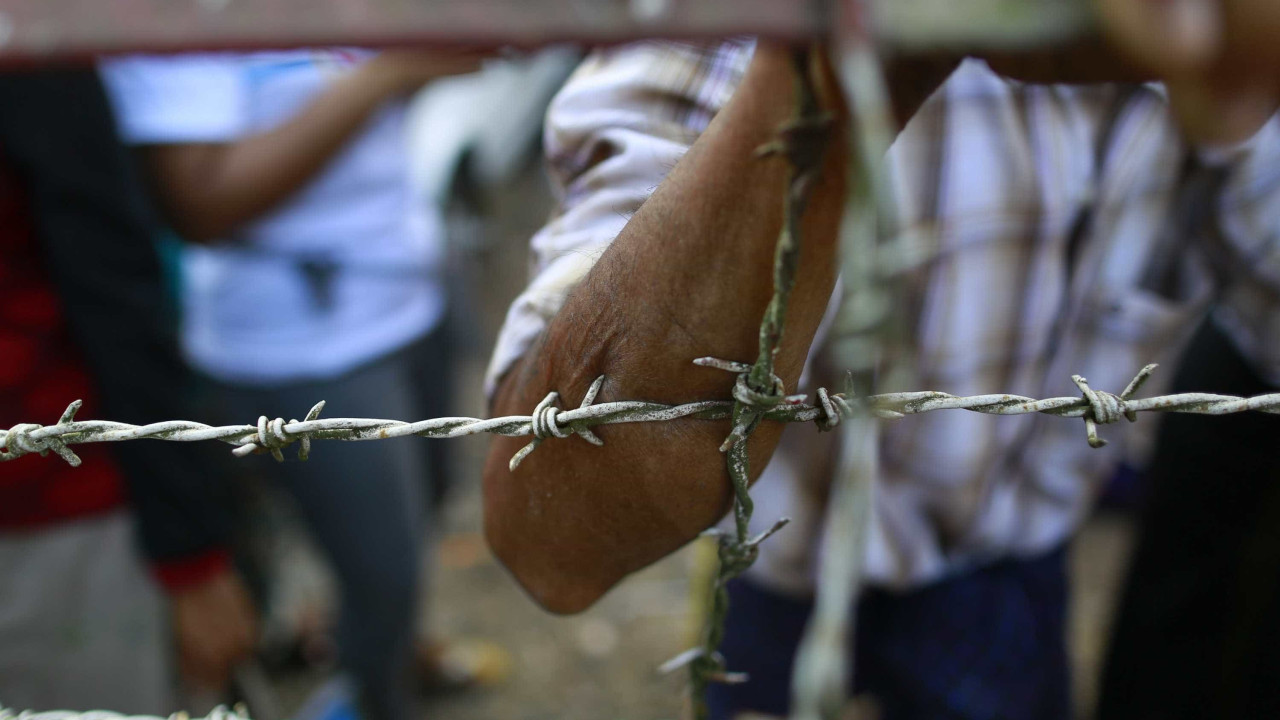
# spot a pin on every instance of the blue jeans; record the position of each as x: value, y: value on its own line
x: 984, y: 645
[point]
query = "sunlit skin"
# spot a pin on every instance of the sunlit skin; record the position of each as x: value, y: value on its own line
x: 1220, y: 59
x: 208, y: 191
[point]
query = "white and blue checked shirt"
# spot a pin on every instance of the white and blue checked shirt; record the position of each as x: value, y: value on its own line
x: 1047, y: 210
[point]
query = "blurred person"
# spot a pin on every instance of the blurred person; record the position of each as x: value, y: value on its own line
x: 85, y: 621
x: 1052, y: 251
x: 1194, y: 635
x: 1218, y: 59
x: 313, y: 274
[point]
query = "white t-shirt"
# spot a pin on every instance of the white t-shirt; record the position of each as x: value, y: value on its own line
x: 342, y: 273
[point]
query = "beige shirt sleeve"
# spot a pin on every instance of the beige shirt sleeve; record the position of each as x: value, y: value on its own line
x: 620, y: 124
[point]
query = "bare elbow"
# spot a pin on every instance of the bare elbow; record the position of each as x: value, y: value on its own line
x: 561, y: 600
x: 548, y: 546
x: 558, y: 593
x: 575, y: 519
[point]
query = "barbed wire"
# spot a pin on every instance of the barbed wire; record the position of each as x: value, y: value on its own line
x: 868, y: 320
x: 218, y: 713
x: 1096, y: 407
x: 801, y: 141
x: 758, y: 395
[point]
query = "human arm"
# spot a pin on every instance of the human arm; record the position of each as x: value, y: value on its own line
x: 216, y: 628
x: 208, y: 189
x: 1218, y: 58
x: 555, y: 562
x: 577, y: 510
x: 689, y: 276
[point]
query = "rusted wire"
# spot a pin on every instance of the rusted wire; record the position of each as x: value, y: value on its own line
x: 802, y: 141
x: 868, y: 321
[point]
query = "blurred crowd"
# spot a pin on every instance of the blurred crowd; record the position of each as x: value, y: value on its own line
x: 223, y: 235
x: 226, y: 235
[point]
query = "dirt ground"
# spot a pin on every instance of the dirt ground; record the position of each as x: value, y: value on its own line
x: 602, y: 664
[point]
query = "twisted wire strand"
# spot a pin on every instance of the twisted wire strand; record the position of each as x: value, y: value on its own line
x: 218, y: 713
x: 548, y: 421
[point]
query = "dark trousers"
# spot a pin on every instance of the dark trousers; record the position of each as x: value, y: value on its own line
x: 1197, y: 632
x: 366, y: 503
x: 986, y: 644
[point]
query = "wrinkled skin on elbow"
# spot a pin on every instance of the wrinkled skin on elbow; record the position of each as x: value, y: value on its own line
x: 574, y: 519
x: 690, y: 276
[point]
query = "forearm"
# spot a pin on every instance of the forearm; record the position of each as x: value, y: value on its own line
x: 208, y: 190
x: 689, y: 276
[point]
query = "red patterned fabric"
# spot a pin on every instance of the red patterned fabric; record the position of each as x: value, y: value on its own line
x: 178, y: 575
x: 40, y: 372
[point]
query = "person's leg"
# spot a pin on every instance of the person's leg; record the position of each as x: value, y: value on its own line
x: 366, y: 508
x: 429, y: 365
x: 985, y: 645
x: 82, y: 625
x: 364, y: 503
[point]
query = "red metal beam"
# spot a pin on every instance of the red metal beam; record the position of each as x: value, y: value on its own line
x: 60, y: 28
x: 42, y: 30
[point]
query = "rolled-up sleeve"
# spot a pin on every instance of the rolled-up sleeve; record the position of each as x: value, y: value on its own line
x: 620, y: 124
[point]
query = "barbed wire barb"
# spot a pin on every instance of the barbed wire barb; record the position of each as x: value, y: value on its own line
x: 221, y: 712
x: 758, y: 395
x: 825, y: 411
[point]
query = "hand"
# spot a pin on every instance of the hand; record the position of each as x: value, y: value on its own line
x: 404, y: 71
x: 216, y: 628
x: 1219, y: 58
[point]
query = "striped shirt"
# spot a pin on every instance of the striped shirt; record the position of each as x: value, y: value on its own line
x: 1067, y: 229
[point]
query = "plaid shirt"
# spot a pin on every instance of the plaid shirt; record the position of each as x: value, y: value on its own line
x: 1068, y: 229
